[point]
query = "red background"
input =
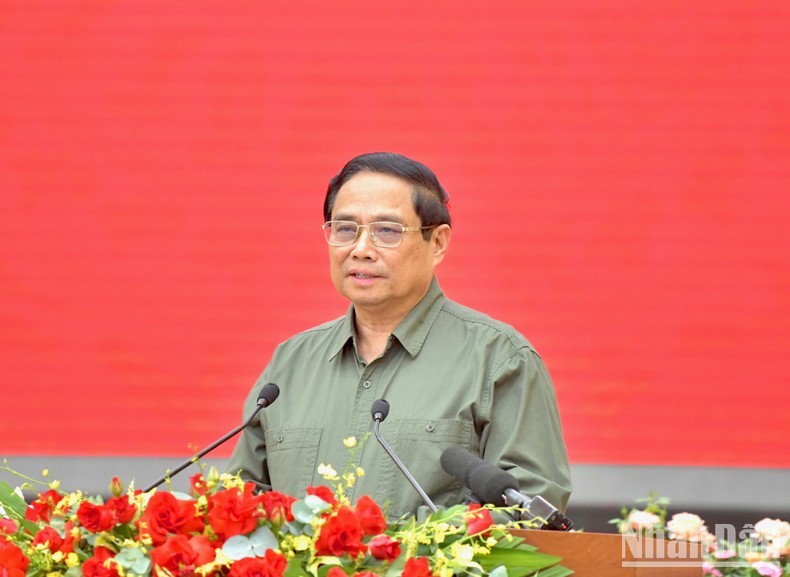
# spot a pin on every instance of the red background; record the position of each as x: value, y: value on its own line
x: 619, y: 179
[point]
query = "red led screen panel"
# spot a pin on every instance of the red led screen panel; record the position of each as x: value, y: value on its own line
x: 619, y: 179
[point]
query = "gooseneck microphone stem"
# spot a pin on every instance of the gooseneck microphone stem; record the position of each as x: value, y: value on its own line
x: 267, y: 396
x: 380, y: 409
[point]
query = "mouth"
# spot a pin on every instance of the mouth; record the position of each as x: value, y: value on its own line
x: 362, y: 275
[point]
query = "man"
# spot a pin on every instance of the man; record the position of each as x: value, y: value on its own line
x: 452, y: 376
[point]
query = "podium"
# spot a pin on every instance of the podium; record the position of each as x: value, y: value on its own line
x: 612, y: 555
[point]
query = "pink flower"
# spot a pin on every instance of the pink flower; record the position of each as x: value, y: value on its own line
x: 767, y: 569
x: 724, y: 554
x: 708, y: 569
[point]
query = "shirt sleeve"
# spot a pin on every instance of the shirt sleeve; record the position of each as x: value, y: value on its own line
x: 523, y: 434
x: 249, y: 458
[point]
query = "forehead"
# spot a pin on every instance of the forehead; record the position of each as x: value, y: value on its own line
x: 375, y: 196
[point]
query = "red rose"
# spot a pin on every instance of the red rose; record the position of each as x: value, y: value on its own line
x: 53, y: 539
x: 365, y: 574
x: 198, y: 485
x: 232, y: 512
x: 370, y: 516
x: 13, y: 562
x: 49, y: 536
x: 41, y: 509
x: 116, y: 487
x: 272, y: 564
x: 122, y: 509
x: 96, y: 566
x: 8, y: 526
x: 384, y: 547
x: 417, y: 567
x: 95, y: 518
x: 180, y: 555
x: 204, y: 549
x: 340, y: 534
x: 278, y: 506
x: 477, y: 520
x: 336, y: 571
x: 166, y: 514
x: 324, y: 493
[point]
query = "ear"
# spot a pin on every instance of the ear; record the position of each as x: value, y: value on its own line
x: 441, y: 241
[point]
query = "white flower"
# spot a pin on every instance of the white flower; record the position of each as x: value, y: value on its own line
x: 772, y: 530
x: 687, y: 527
x: 327, y: 472
x: 643, y: 520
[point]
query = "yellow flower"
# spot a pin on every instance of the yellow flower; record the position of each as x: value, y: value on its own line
x: 221, y: 560
x: 72, y: 560
x: 350, y: 442
x: 54, y: 574
x: 301, y: 543
x: 229, y: 481
x: 462, y: 553
x: 350, y: 479
x: 45, y: 473
x: 360, y: 472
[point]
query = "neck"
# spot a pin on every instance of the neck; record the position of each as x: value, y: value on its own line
x: 372, y: 334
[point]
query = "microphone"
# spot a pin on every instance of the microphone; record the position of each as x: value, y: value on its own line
x: 379, y: 411
x: 269, y: 393
x: 493, y: 485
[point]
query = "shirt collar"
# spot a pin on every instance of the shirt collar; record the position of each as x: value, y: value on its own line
x: 412, y: 330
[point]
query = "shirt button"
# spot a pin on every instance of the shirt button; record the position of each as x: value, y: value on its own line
x: 366, y: 384
x: 430, y: 428
x: 279, y: 438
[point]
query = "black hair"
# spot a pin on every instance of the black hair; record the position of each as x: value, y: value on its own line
x: 431, y: 202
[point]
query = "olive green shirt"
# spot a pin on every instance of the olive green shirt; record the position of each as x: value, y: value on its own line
x: 451, y: 375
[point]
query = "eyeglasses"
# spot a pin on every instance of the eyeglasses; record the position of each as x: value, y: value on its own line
x: 382, y: 234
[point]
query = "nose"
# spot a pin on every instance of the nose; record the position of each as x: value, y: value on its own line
x: 363, y: 247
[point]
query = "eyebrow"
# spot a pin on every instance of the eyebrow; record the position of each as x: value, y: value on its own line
x: 384, y: 217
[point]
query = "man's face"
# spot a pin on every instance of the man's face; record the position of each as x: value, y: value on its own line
x: 386, y: 282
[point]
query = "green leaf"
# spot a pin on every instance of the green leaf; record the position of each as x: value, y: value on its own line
x: 73, y: 572
x: 556, y: 571
x: 238, y: 547
x: 294, y: 568
x: 304, y: 511
x: 15, y: 507
x: 518, y: 562
x: 262, y: 539
x: 134, y: 561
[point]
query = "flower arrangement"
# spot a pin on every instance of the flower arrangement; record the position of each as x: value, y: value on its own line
x: 762, y: 549
x: 224, y: 528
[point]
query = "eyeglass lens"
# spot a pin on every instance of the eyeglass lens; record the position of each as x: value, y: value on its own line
x: 381, y: 233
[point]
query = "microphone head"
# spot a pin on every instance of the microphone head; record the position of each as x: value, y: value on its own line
x: 268, y: 394
x: 380, y: 409
x: 457, y: 463
x: 488, y: 482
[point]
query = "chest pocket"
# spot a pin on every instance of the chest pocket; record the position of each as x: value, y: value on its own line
x: 292, y: 455
x: 419, y: 443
